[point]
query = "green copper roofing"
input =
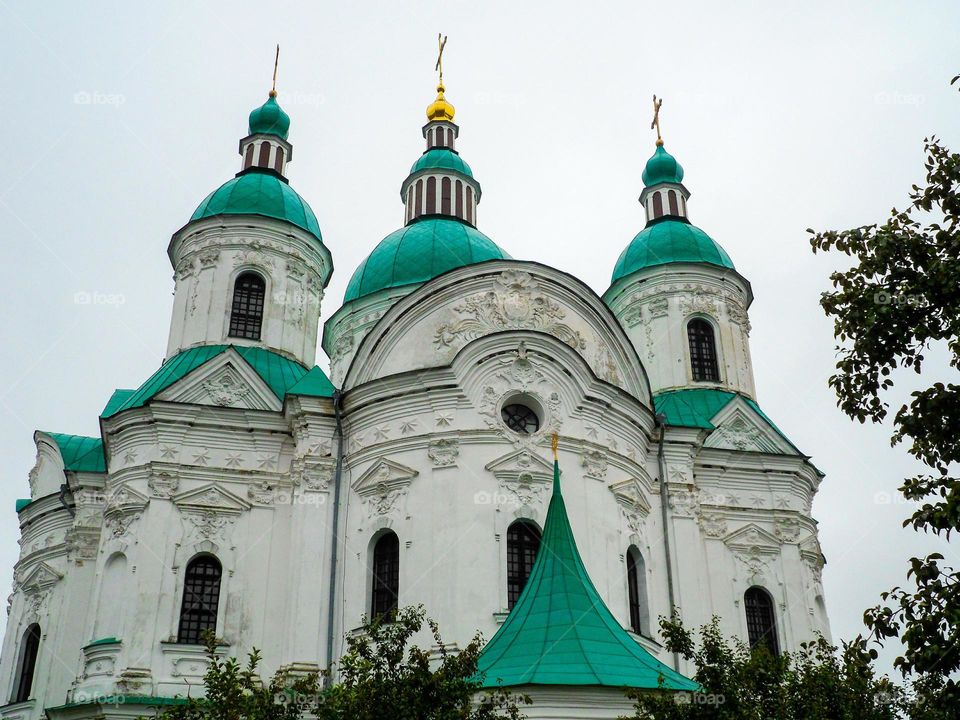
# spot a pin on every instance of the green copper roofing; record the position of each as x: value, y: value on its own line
x: 278, y: 372
x: 419, y: 252
x: 22, y: 503
x: 662, y: 167
x: 103, y: 641
x: 270, y: 119
x: 669, y: 241
x: 259, y: 192
x: 315, y: 383
x: 696, y: 407
x: 116, y: 401
x: 442, y: 159
x: 561, y: 633
x: 79, y: 453
x: 121, y: 700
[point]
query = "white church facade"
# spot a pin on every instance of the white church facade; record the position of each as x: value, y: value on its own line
x: 241, y: 488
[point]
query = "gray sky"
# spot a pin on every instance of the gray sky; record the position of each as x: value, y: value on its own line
x: 121, y: 117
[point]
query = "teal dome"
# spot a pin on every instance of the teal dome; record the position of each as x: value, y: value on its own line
x: 269, y: 119
x: 662, y: 167
x: 441, y: 159
x: 420, y: 252
x: 256, y: 192
x: 670, y: 241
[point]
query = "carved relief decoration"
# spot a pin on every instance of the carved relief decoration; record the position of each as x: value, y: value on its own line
x: 444, y: 452
x: 516, y: 303
x: 383, y: 485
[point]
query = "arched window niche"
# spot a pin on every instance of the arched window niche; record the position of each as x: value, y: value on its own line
x: 201, y: 599
x: 523, y: 544
x: 702, y: 340
x: 246, y: 309
x: 761, y: 620
x: 637, y: 592
x: 385, y: 570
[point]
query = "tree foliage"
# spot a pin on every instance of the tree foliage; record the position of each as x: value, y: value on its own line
x: 900, y: 297
x: 818, y: 682
x: 382, y: 676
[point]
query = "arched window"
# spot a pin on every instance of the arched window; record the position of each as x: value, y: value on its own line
x: 459, y: 191
x: 248, y: 157
x: 657, y: 205
x: 440, y: 137
x: 418, y: 210
x: 29, y: 648
x: 445, y: 196
x: 703, y: 351
x: 672, y: 199
x: 523, y: 543
x: 386, y: 575
x: 246, y: 314
x: 201, y: 598
x: 761, y: 624
x: 637, y: 592
x: 278, y: 160
x: 264, y: 160
x: 470, y: 204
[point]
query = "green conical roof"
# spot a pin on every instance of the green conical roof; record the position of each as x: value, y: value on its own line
x: 259, y: 192
x: 420, y: 252
x: 561, y: 633
x: 441, y: 159
x: 270, y: 119
x: 669, y: 241
x: 662, y: 167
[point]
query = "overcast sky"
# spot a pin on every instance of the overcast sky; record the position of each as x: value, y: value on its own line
x: 121, y: 117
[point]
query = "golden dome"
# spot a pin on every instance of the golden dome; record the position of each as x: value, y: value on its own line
x: 440, y: 109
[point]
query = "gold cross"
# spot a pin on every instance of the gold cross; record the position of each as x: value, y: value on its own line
x: 442, y: 42
x: 276, y: 63
x: 656, y: 118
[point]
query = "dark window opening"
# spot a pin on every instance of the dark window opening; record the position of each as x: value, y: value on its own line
x: 29, y: 649
x: 246, y: 314
x: 657, y: 205
x: 248, y: 157
x: 761, y: 625
x: 703, y: 351
x: 431, y: 195
x: 445, y: 196
x: 520, y: 419
x: 672, y: 199
x: 470, y: 204
x: 637, y: 592
x: 264, y: 160
x: 459, y: 187
x: 386, y: 575
x: 201, y: 598
x: 523, y: 544
x: 278, y: 161
x: 419, y: 202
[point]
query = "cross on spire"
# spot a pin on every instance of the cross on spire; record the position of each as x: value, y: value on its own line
x: 656, y: 118
x: 442, y: 42
x: 276, y: 64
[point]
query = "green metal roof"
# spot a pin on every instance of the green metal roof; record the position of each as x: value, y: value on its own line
x: 80, y: 453
x: 696, y: 407
x: 116, y: 401
x: 669, y: 241
x: 269, y: 119
x: 561, y: 633
x: 259, y: 192
x: 278, y: 372
x: 419, y: 252
x: 441, y: 159
x: 314, y: 383
x: 22, y: 503
x: 662, y: 167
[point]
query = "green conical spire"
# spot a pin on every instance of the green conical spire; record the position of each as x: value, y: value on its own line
x: 561, y: 633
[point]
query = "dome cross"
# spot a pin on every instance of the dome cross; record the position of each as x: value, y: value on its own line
x: 656, y: 118
x: 442, y: 42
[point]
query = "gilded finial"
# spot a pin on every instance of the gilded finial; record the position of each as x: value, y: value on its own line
x: 656, y: 119
x: 440, y: 109
x: 554, y: 444
x: 276, y: 64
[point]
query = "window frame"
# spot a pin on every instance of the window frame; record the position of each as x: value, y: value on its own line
x: 515, y: 586
x: 384, y: 597
x: 238, y: 277
x: 768, y: 635
x: 28, y: 655
x: 714, y: 344
x: 638, y: 598
x: 186, y: 636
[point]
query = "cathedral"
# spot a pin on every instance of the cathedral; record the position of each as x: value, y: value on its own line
x: 492, y: 439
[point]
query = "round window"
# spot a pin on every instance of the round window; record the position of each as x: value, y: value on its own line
x: 520, y: 418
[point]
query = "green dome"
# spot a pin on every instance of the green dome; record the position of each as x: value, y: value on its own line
x: 662, y: 167
x: 669, y: 241
x: 269, y: 119
x: 441, y: 159
x: 256, y: 192
x: 420, y: 252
